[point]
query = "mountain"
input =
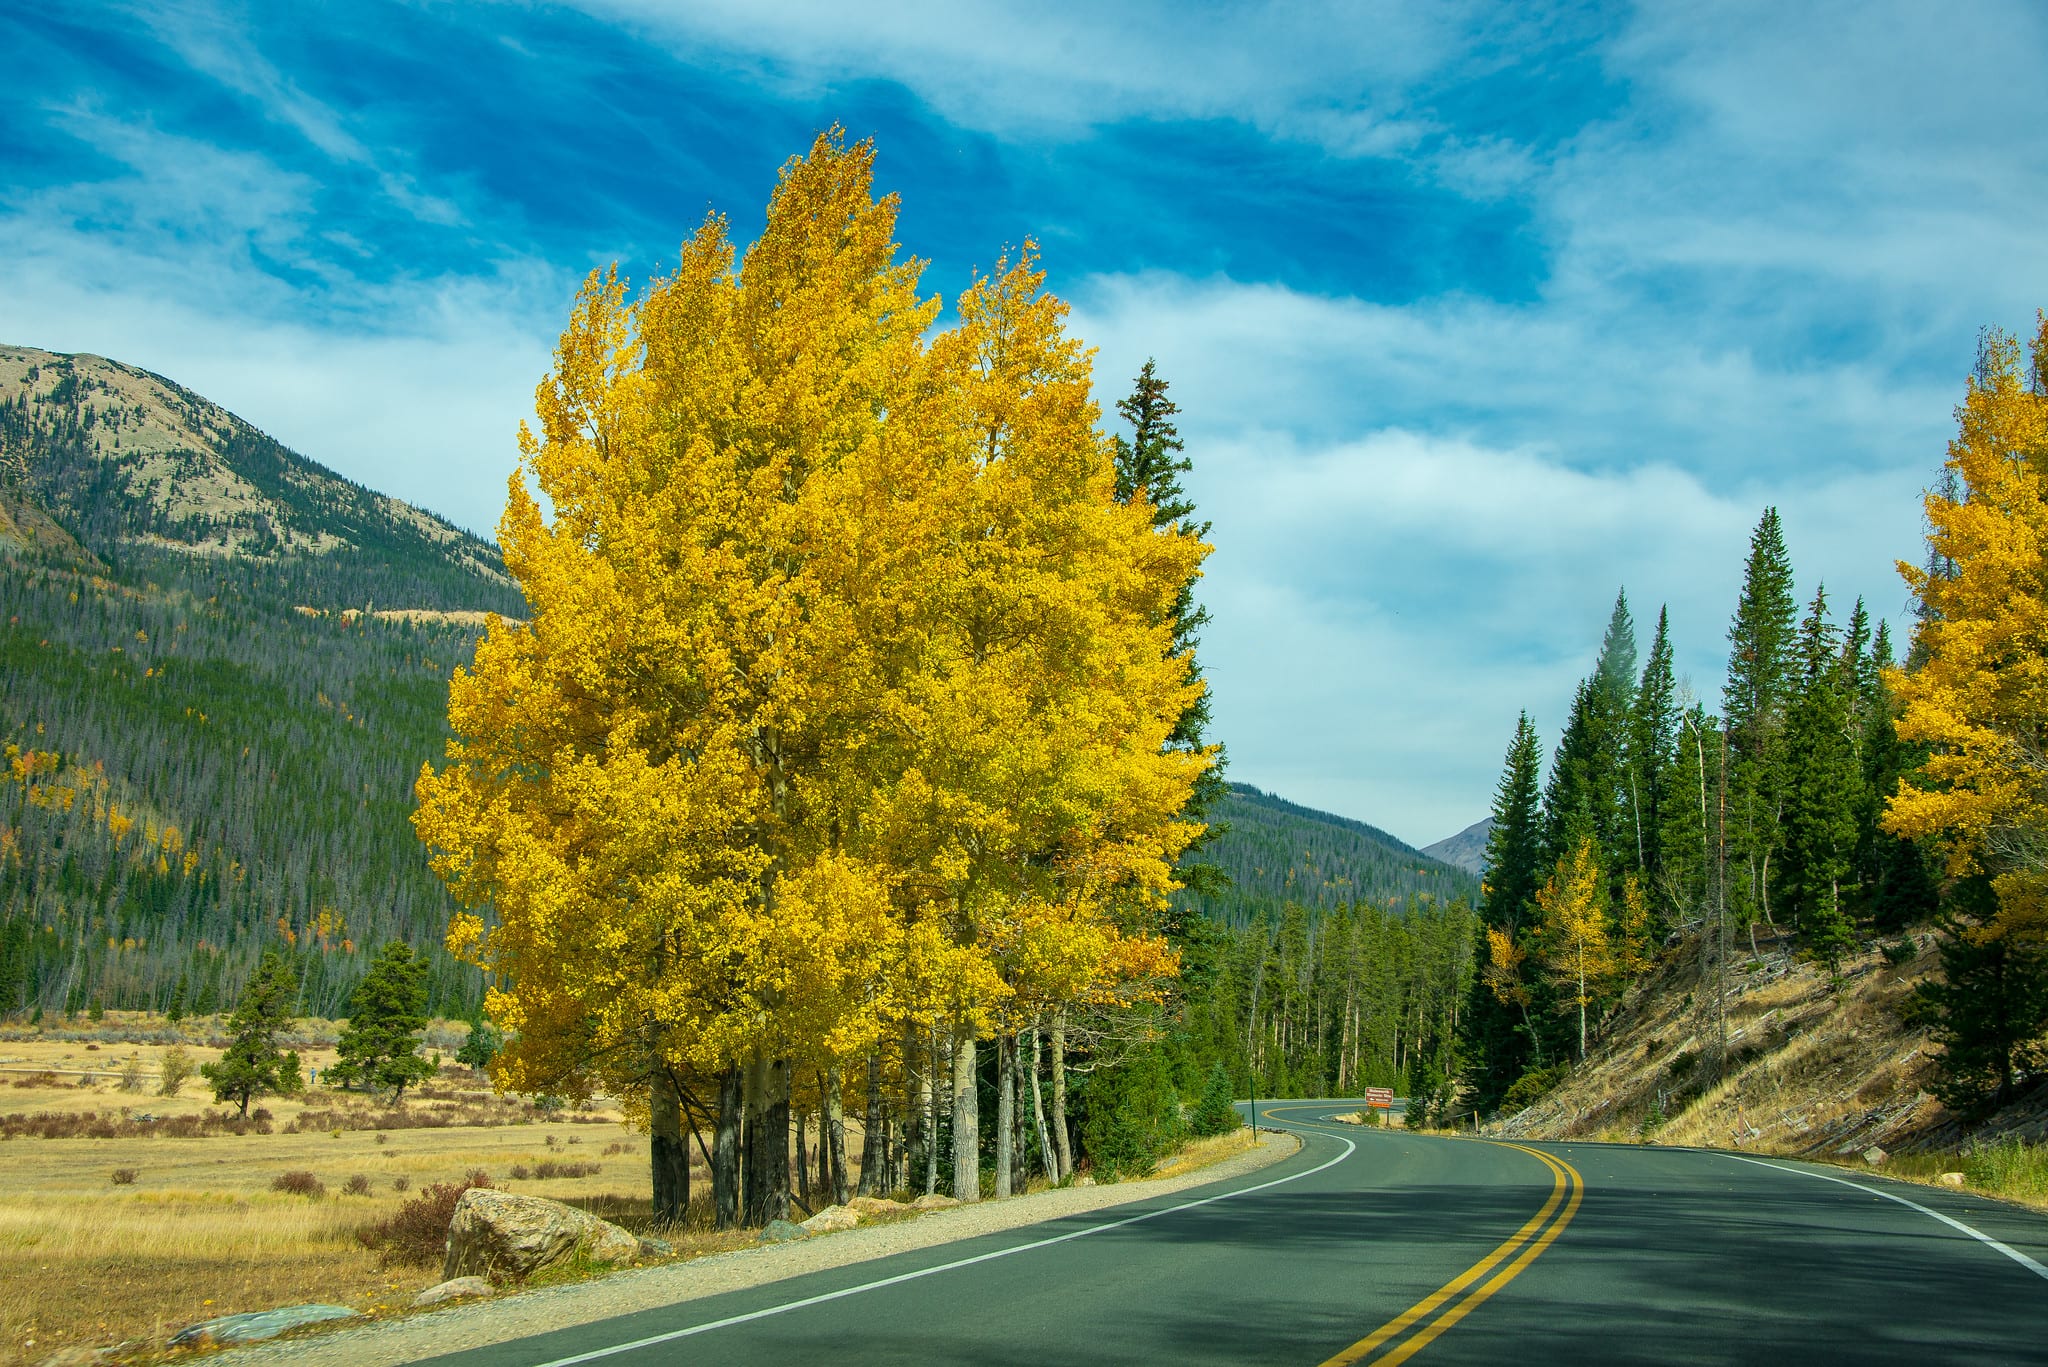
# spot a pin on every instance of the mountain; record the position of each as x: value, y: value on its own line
x: 1276, y: 852
x: 135, y: 466
x: 221, y: 667
x: 1466, y: 849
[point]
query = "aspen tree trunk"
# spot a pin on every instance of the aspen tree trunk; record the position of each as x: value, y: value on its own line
x: 753, y: 1170
x: 834, y: 1136
x: 1020, y: 1141
x: 803, y: 1166
x: 1063, y: 1146
x: 1006, y: 1113
x: 874, y: 1149
x: 775, y: 1143
x: 966, y: 1118
x: 1046, y: 1156
x: 670, y: 1150
x: 929, y: 1090
x: 824, y: 1148
x: 725, y: 1152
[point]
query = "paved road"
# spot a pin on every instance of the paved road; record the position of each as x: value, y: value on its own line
x: 1381, y: 1247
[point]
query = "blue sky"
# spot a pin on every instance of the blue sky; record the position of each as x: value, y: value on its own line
x: 1475, y: 314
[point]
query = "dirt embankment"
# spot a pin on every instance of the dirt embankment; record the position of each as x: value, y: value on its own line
x: 1809, y: 1067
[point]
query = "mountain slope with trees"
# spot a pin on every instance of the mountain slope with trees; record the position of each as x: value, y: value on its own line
x: 1278, y: 853
x: 210, y: 745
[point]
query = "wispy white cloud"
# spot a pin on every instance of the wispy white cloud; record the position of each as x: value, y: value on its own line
x: 217, y: 45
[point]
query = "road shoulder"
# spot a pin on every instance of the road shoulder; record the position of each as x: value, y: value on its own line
x: 525, y: 1313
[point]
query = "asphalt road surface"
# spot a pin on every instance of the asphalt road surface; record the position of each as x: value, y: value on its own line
x: 1375, y: 1246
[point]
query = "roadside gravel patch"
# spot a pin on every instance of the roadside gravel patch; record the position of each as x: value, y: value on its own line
x: 518, y: 1315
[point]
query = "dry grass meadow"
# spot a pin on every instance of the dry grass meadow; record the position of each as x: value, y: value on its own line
x: 196, y: 1230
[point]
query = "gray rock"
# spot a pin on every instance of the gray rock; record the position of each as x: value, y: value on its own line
x: 1953, y: 1179
x: 257, y: 1325
x: 651, y: 1247
x: 781, y: 1232
x: 1875, y: 1156
x: 495, y: 1233
x: 461, y: 1288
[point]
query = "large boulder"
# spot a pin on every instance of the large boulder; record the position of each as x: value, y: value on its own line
x: 831, y: 1220
x: 499, y: 1234
x: 932, y: 1200
x: 866, y: 1206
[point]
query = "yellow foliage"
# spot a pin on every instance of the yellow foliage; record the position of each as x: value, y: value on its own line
x: 1978, y: 697
x: 1571, y: 931
x: 845, y: 691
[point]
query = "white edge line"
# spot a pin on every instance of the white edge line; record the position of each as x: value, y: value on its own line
x: 808, y: 1301
x: 1979, y: 1235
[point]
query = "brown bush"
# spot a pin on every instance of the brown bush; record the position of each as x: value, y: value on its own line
x: 299, y: 1183
x: 46, y: 1078
x: 401, y: 1183
x: 548, y: 1167
x: 358, y: 1185
x: 418, y: 1232
x: 99, y: 1125
x: 125, y: 1177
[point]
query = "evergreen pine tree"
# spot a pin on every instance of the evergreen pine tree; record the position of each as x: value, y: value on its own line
x: 1988, y: 1008
x: 387, y: 1011
x: 1216, y: 1113
x: 1754, y: 698
x: 1149, y: 465
x: 1652, y: 741
x: 253, y: 1064
x: 1498, y: 1043
x: 1823, y: 792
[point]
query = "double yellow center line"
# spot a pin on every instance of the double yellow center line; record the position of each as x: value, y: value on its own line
x: 1421, y: 1323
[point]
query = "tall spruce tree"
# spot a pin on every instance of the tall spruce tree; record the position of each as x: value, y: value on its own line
x: 1149, y: 465
x: 1822, y: 792
x: 253, y: 1064
x: 1498, y: 1042
x: 1754, y: 699
x: 379, y: 1047
x: 1652, y: 738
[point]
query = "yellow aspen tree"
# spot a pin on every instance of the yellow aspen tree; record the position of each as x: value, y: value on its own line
x: 1571, y: 931
x: 1980, y: 693
x: 643, y: 779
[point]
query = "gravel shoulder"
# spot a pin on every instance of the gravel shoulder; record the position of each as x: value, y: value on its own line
x: 520, y: 1314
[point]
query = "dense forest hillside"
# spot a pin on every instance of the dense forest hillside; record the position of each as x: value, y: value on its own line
x: 1277, y: 852
x: 221, y: 667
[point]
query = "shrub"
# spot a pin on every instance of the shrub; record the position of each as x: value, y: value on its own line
x: 520, y: 1172
x: 357, y: 1185
x: 1900, y: 954
x: 298, y: 1184
x: 1216, y: 1114
x: 131, y: 1074
x: 172, y: 1069
x: 401, y: 1183
x: 1531, y: 1086
x: 125, y: 1177
x: 418, y: 1232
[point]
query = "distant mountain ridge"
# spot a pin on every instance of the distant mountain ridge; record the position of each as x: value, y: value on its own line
x: 1277, y: 852
x: 133, y: 464
x: 1466, y: 849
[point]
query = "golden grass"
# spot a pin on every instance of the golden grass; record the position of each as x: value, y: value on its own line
x: 200, y: 1233
x: 1200, y: 1153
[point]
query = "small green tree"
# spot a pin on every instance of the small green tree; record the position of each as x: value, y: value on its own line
x: 386, y: 1013
x: 481, y: 1047
x: 1216, y: 1113
x: 253, y: 1065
